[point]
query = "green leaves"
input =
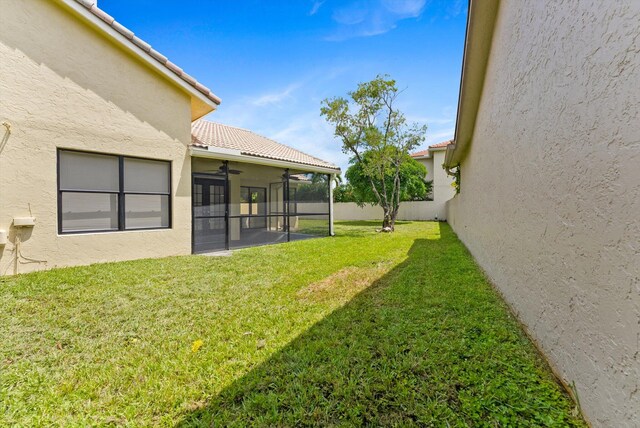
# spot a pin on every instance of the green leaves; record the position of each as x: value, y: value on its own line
x: 412, y: 184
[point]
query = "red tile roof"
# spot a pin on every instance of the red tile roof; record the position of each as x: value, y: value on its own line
x: 210, y: 134
x: 145, y: 47
x: 443, y: 144
x: 422, y: 153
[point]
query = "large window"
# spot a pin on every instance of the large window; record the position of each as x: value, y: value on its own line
x: 101, y: 193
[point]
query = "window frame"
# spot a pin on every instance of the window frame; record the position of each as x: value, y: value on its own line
x: 121, y: 194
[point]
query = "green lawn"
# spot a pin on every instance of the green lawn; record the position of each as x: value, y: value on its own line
x: 360, y: 329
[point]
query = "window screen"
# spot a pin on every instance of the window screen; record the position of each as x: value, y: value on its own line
x: 98, y: 192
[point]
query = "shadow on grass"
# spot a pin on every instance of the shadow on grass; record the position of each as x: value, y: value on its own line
x: 428, y: 343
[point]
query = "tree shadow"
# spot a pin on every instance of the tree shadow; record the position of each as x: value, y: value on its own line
x: 371, y: 223
x: 419, y: 346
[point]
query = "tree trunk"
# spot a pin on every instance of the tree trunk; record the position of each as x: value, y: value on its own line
x: 394, y: 215
x: 389, y: 219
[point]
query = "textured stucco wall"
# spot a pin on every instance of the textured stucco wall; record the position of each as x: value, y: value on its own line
x: 63, y: 85
x: 550, y: 198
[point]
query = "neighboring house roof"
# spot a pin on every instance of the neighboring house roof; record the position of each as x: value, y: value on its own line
x: 215, y: 135
x: 144, y: 49
x: 439, y: 145
x: 425, y: 153
x: 420, y: 154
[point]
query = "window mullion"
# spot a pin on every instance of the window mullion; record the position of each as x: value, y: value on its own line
x: 121, y: 211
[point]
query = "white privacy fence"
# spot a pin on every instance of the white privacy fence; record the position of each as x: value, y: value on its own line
x: 418, y: 210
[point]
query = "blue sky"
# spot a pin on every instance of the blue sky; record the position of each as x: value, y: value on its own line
x: 272, y: 62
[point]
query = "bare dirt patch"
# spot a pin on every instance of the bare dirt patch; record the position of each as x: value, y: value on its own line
x: 344, y: 284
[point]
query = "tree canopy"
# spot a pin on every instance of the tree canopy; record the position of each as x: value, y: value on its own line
x: 413, y: 186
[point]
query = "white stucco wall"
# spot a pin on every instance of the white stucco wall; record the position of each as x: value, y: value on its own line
x: 443, y: 189
x: 416, y: 210
x: 428, y: 163
x: 550, y: 191
x: 63, y: 85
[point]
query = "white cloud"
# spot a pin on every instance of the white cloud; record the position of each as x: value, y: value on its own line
x: 275, y: 97
x: 369, y: 18
x: 430, y: 121
x: 439, y: 136
x: 408, y: 8
x: 316, y: 6
x: 310, y: 133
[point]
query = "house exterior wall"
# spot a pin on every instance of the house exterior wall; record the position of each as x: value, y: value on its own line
x: 65, y: 86
x: 443, y: 189
x: 442, y: 183
x: 550, y: 191
x: 428, y: 163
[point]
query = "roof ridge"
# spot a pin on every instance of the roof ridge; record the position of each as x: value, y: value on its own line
x: 270, y: 139
x: 93, y: 8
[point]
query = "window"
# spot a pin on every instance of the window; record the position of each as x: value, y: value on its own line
x: 101, y: 193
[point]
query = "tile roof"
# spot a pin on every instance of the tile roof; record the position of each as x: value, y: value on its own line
x: 422, y: 153
x: 91, y: 6
x: 443, y: 144
x: 210, y: 134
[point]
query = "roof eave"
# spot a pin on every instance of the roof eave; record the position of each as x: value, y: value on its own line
x: 200, y: 104
x: 238, y: 156
x: 480, y: 27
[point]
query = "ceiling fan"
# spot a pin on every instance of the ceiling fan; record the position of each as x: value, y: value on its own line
x: 291, y: 177
x: 223, y: 170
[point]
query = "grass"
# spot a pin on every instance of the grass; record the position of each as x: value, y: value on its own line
x: 312, y: 226
x: 373, y: 329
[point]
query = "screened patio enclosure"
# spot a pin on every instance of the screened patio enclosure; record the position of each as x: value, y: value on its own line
x: 237, y: 204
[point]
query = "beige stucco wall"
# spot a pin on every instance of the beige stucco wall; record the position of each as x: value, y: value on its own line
x: 442, y: 182
x: 63, y: 85
x: 414, y: 210
x: 428, y: 163
x: 550, y: 198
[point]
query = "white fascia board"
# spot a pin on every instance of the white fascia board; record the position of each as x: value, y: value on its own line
x: 237, y: 156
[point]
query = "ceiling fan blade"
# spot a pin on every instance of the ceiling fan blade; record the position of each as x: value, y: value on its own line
x: 224, y: 169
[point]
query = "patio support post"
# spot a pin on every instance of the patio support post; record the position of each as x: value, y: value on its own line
x: 331, y: 178
x: 226, y: 205
x: 286, y: 203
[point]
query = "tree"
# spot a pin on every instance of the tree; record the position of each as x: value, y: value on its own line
x: 375, y: 133
x: 413, y: 186
x: 317, y: 187
x: 344, y: 193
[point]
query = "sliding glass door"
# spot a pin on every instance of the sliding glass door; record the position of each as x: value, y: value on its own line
x: 253, y: 207
x: 209, y: 214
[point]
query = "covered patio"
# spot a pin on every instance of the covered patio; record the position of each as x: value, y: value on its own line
x: 248, y: 190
